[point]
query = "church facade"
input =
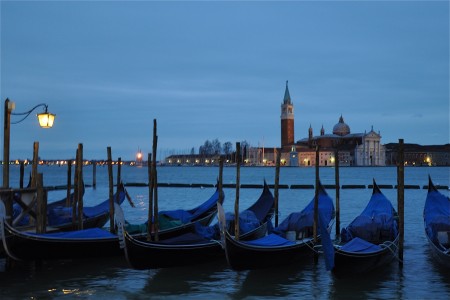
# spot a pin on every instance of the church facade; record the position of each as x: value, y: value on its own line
x: 351, y: 149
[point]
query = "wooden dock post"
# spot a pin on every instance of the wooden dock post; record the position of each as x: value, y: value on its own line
x: 111, y: 190
x: 316, y: 205
x: 94, y: 174
x: 41, y: 203
x: 69, y: 182
x: 220, y: 180
x: 238, y: 180
x: 75, y: 191
x: 401, y: 198
x: 155, y: 182
x: 34, y: 167
x: 277, y: 182
x: 338, y: 209
x: 150, y: 197
x: 80, y: 186
x: 22, y: 173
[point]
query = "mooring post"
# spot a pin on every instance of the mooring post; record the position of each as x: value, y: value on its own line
x: 316, y: 205
x: 238, y: 180
x: 276, y: 186
x: 150, y: 197
x: 338, y: 210
x: 69, y: 182
x: 111, y: 190
x: 34, y: 168
x: 75, y: 191
x: 80, y: 186
x: 94, y: 174
x: 220, y: 180
x: 155, y: 181
x: 401, y: 199
x: 41, y: 202
x: 22, y: 171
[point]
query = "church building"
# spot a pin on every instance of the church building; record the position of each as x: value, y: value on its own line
x: 352, y: 149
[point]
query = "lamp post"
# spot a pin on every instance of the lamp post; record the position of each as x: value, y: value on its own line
x: 45, y: 119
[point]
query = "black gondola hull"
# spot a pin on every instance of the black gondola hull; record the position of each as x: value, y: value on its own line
x: 241, y: 256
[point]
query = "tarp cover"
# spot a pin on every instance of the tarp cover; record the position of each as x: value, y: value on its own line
x: 263, y: 205
x: 299, y: 221
x: 78, y: 234
x: 270, y: 240
x: 436, y: 214
x: 247, y: 222
x: 375, y: 224
x: 360, y: 245
x: 61, y: 214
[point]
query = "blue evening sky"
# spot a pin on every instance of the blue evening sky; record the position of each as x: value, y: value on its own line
x: 212, y: 69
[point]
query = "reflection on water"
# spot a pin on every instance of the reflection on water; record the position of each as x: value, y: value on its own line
x: 111, y: 278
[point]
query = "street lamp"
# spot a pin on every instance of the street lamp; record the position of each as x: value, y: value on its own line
x: 45, y: 119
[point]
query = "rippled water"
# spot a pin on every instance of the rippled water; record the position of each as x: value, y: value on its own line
x: 420, y: 277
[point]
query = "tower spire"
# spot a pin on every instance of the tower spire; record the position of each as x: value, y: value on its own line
x: 287, y: 96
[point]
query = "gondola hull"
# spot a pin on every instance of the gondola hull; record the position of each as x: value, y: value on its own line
x: 437, y: 224
x: 194, y: 248
x: 371, y: 240
x: 355, y: 263
x: 241, y: 256
x: 276, y: 249
x: 143, y: 255
x: 25, y: 246
x: 441, y: 257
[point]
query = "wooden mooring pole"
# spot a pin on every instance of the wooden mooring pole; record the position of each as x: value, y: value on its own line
x: 401, y: 198
x: 80, y: 186
x: 150, y: 197
x: 316, y: 206
x: 338, y: 209
x: 22, y: 173
x: 220, y: 180
x: 276, y: 186
x: 94, y: 174
x: 111, y: 190
x: 155, y: 182
x: 236, y: 202
x: 69, y: 182
x: 41, y: 203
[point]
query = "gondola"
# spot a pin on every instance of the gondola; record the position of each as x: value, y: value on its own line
x: 287, y: 243
x: 91, y: 242
x: 60, y: 217
x: 371, y: 240
x: 21, y: 212
x: 201, y: 245
x: 436, y: 215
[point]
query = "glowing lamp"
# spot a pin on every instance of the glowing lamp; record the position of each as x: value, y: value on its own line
x: 46, y: 119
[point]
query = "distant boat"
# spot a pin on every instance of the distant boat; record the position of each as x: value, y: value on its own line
x: 436, y: 216
x: 371, y: 240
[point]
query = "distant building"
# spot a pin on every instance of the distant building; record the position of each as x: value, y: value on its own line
x: 419, y: 155
x: 354, y: 149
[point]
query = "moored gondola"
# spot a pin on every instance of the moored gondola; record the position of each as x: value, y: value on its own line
x: 289, y: 242
x: 200, y: 245
x: 436, y: 215
x: 371, y: 239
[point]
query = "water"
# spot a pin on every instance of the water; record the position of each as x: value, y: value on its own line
x: 111, y: 278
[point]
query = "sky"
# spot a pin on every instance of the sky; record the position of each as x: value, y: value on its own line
x: 210, y: 70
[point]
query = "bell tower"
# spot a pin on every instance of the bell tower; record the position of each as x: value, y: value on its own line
x: 287, y: 120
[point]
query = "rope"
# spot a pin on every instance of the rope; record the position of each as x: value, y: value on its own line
x: 388, y: 245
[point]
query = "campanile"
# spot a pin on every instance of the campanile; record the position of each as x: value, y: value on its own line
x: 287, y: 120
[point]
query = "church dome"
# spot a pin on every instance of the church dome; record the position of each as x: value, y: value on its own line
x: 341, y: 128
